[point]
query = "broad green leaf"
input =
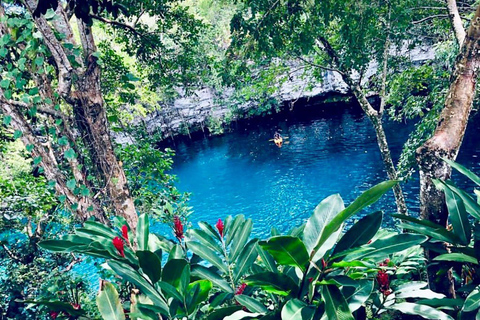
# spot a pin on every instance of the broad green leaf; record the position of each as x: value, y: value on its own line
x: 222, y: 313
x: 441, y: 234
x: 177, y: 273
x: 202, y: 287
x: 322, y: 215
x: 205, y: 273
x: 231, y: 227
x: 365, y: 199
x: 130, y: 275
x: 441, y: 303
x: 60, y: 245
x: 207, y: 254
x: 143, y: 226
x: 241, y: 237
x: 471, y: 205
x: 150, y: 264
x: 246, y: 258
x: 109, y: 304
x: 336, y: 307
x: 356, y: 296
x: 170, y: 290
x: 206, y: 239
x: 386, y: 246
x: 472, y: 302
x: 360, y: 233
x: 101, y: 229
x: 297, y: 310
x: 209, y: 230
x: 467, y: 173
x: 273, y: 282
x: 176, y: 252
x: 420, y: 310
x: 457, y: 257
x: 287, y: 250
x: 267, y: 259
x: 251, y: 304
x: 458, y: 215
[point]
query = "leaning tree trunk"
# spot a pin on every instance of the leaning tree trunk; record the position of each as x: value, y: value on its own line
x: 375, y: 118
x: 447, y: 139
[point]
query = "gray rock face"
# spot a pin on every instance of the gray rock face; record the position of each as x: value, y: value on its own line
x: 201, y: 109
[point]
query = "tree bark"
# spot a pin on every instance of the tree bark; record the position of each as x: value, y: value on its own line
x: 374, y: 116
x: 456, y: 21
x: 447, y: 138
x: 86, y: 101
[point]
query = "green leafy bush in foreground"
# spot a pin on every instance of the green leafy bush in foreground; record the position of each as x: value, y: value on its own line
x: 219, y: 272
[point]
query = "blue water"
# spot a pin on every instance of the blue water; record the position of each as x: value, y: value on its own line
x: 328, y: 151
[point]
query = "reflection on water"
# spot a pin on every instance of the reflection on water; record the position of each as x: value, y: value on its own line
x: 327, y: 152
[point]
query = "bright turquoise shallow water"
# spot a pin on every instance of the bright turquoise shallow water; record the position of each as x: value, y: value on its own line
x: 328, y: 152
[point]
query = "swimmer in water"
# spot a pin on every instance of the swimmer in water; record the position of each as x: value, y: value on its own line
x: 277, y: 139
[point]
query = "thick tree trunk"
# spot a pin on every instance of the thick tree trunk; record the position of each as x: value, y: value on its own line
x: 85, y: 97
x: 447, y: 138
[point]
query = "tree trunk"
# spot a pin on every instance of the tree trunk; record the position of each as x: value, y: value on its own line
x: 85, y: 98
x: 447, y: 139
x: 375, y: 118
x: 456, y: 21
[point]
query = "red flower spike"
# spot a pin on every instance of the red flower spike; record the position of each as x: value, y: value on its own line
x: 125, y: 233
x: 178, y: 228
x: 383, y: 281
x: 53, y: 314
x: 310, y: 279
x: 220, y: 227
x: 240, y: 289
x: 75, y: 306
x: 118, y: 244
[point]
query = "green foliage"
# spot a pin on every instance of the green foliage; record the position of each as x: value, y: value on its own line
x: 462, y: 238
x: 218, y: 268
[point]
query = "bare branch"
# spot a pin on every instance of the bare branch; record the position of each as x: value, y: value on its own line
x: 116, y: 23
x: 318, y: 65
x: 443, y: 16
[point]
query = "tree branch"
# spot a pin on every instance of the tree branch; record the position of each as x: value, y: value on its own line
x: 456, y: 21
x: 318, y: 65
x: 65, y: 69
x: 117, y: 24
x: 430, y: 17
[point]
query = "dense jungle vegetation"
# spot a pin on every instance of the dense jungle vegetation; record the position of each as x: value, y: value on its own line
x: 76, y: 73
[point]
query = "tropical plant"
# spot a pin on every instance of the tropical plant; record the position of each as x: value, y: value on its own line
x: 218, y: 272
x: 454, y: 249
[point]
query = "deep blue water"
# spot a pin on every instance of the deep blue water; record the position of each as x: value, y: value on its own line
x: 329, y: 151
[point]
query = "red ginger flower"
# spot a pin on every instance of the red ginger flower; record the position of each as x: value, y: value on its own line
x: 220, y: 227
x: 240, y: 289
x: 118, y: 244
x: 53, y: 314
x: 178, y: 228
x: 383, y: 281
x: 125, y: 232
